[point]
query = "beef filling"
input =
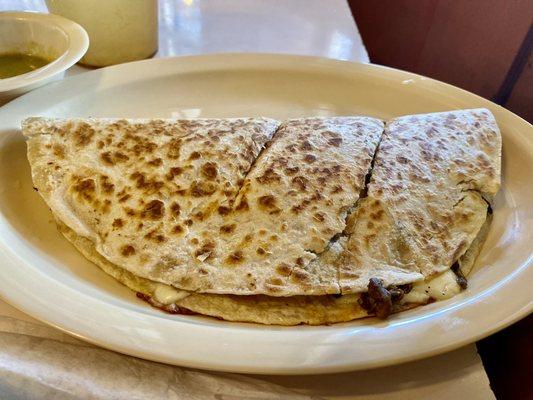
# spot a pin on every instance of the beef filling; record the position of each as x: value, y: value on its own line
x: 459, y: 277
x: 379, y: 300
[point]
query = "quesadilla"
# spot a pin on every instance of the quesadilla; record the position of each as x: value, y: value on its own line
x: 229, y: 219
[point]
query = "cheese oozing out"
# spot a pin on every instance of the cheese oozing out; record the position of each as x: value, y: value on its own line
x: 441, y: 287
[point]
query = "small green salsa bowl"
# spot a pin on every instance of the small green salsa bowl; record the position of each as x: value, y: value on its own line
x: 36, y: 48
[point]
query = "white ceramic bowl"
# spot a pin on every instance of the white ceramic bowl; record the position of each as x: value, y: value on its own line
x: 46, y: 35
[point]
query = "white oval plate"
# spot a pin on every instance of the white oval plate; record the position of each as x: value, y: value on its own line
x: 44, y: 276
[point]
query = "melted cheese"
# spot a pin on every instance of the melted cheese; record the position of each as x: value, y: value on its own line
x: 441, y: 287
x: 165, y: 294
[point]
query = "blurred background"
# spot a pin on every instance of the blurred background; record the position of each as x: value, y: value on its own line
x: 483, y: 46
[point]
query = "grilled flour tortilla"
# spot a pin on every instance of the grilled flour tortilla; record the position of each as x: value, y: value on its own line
x: 179, y: 202
x: 289, y: 231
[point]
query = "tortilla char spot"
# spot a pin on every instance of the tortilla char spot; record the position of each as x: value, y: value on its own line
x: 156, y: 162
x: 194, y: 241
x: 368, y: 239
x: 272, y: 288
x: 155, y: 237
x: 185, y: 281
x: 300, y: 182
x: 261, y: 251
x: 195, y: 155
x: 59, y: 151
x: 106, y: 207
x: 262, y: 232
x: 189, y: 222
x: 223, y: 210
x: 106, y: 158
x: 283, y: 269
x: 177, y: 229
x: 299, y: 276
x: 235, y: 258
x: 297, y: 208
x: 306, y: 145
x: 275, y: 281
x: 85, y: 188
x: 228, y: 228
x: 202, y: 189
x: 112, y: 158
x: 377, y: 216
x: 155, y: 209
x: 100, y: 144
x: 149, y: 185
x: 175, y: 209
x: 118, y: 223
x: 402, y: 159
x: 143, y: 146
x: 336, y: 189
x: 465, y: 217
x: 174, y: 171
x: 107, y: 187
x: 127, y: 250
x: 310, y: 158
x: 370, y: 225
x: 209, y: 170
x: 174, y: 148
x: 336, y: 141
x: 207, y: 247
x: 243, y: 204
x: 124, y: 198
x: 291, y: 170
x: 268, y: 176
x: 83, y: 134
x: 267, y: 202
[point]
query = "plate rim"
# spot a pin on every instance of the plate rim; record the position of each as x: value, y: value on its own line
x: 250, y: 366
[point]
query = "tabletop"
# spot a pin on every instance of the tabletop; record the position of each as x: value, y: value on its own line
x: 306, y: 27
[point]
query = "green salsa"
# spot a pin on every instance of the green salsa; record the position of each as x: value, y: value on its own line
x: 16, y: 64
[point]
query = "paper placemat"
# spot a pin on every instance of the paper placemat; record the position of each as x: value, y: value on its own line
x: 41, y: 362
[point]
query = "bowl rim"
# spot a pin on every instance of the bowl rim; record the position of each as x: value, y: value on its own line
x: 77, y: 39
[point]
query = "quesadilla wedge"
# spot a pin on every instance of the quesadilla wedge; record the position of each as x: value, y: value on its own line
x: 427, y: 198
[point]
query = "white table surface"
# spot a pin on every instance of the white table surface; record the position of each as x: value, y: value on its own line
x: 308, y: 27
